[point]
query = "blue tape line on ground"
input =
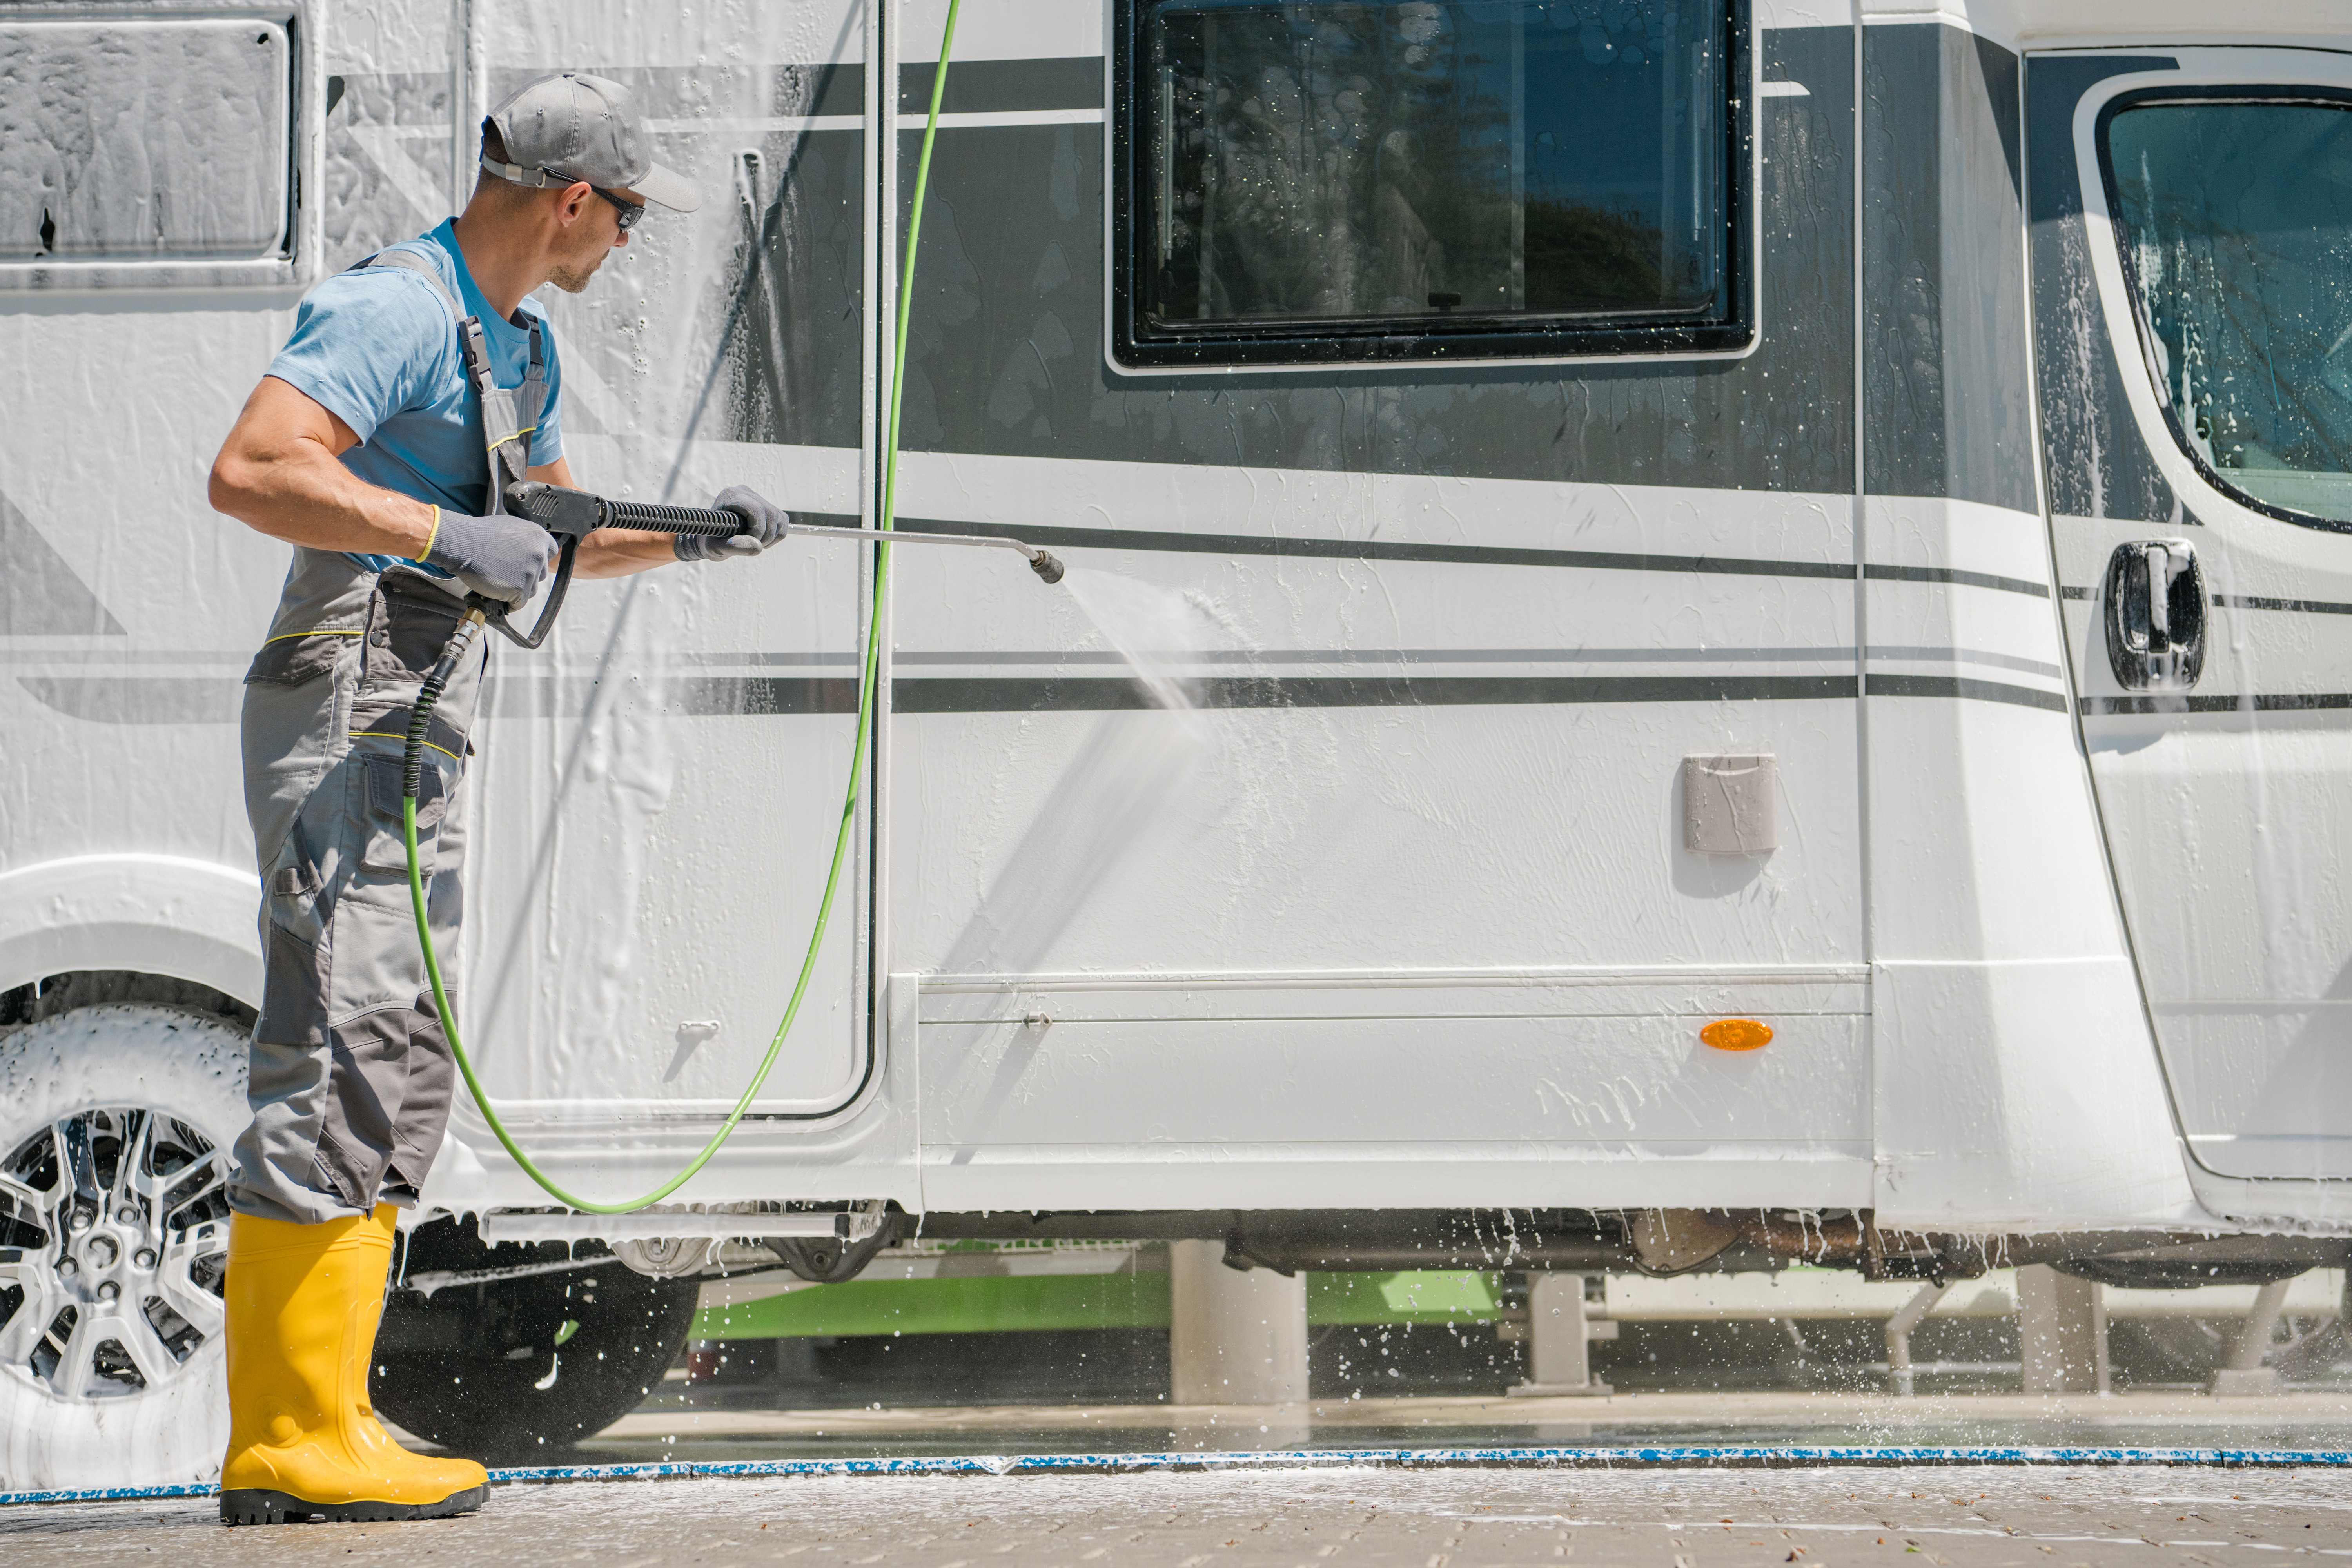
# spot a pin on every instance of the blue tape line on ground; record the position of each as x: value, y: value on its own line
x: 1311, y: 1459
x: 1034, y: 1464
x: 112, y: 1494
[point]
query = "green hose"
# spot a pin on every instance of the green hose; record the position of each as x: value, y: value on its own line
x: 865, y: 688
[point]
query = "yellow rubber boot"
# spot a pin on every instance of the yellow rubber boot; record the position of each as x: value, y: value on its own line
x: 303, y: 1442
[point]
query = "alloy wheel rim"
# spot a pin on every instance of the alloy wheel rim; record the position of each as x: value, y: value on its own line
x: 113, y: 1250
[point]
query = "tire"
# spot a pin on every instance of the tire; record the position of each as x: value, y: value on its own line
x: 114, y: 1372
x: 520, y: 1368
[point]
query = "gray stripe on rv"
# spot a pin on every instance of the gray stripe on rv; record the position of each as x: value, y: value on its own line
x: 1007, y: 355
x: 1944, y: 362
x: 40, y: 595
x: 162, y: 699
x: 2097, y: 464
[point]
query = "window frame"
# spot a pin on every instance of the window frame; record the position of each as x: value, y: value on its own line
x: 299, y: 240
x: 1383, y: 341
x: 2135, y: 296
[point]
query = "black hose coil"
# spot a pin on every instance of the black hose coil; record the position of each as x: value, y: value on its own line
x: 428, y: 696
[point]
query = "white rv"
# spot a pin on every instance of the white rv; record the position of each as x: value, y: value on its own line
x: 1666, y: 526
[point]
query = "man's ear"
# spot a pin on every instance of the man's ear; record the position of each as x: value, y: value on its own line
x: 573, y: 202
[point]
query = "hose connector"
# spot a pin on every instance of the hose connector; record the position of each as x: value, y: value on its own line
x: 428, y: 696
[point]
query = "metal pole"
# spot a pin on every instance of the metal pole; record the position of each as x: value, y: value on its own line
x: 2246, y: 1372
x: 1898, y: 1336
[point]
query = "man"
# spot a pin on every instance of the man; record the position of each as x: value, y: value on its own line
x: 416, y: 385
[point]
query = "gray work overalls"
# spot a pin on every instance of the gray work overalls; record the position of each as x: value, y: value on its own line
x: 352, y: 1074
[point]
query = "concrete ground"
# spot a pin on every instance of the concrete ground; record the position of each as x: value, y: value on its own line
x: 1862, y: 1517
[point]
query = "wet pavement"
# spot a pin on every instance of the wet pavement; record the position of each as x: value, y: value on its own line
x: 1858, y: 1517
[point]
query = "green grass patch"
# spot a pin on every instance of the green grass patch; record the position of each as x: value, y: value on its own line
x: 1038, y: 1302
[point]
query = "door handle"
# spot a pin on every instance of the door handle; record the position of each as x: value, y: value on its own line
x: 2156, y: 615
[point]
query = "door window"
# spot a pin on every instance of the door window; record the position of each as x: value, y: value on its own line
x: 2234, y: 216
x: 1493, y: 177
x: 145, y: 139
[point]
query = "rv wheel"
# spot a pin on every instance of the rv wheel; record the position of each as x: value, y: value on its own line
x: 115, y: 1126
x: 513, y: 1353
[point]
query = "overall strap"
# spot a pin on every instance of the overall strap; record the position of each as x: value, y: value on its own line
x: 524, y: 405
x: 507, y: 422
x: 533, y: 398
x: 409, y: 261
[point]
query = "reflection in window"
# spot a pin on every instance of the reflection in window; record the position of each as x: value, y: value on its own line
x: 1443, y: 163
x: 2237, y: 219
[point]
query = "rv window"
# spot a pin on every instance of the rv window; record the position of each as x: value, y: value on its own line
x: 2235, y: 217
x: 1309, y: 183
x: 144, y: 139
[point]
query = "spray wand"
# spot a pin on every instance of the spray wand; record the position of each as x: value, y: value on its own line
x: 574, y: 510
x: 572, y: 515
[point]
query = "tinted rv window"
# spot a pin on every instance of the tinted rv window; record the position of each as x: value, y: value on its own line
x: 2236, y: 224
x: 143, y: 139
x: 1480, y: 178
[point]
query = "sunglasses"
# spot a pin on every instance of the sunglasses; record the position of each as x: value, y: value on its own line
x: 629, y: 211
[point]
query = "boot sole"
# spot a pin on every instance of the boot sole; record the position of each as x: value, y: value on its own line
x: 256, y: 1505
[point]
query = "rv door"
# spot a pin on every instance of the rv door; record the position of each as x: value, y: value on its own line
x: 662, y: 776
x: 2192, y: 259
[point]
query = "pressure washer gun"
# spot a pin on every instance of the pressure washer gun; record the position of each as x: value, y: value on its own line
x: 572, y: 515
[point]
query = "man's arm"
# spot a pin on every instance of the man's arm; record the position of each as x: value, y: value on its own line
x: 609, y: 551
x: 278, y: 473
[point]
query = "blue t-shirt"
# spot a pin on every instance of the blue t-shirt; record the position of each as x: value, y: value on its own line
x: 377, y: 349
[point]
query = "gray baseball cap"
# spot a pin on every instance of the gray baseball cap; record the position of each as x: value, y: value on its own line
x: 569, y: 125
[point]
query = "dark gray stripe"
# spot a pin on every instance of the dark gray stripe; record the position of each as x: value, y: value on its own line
x: 1951, y: 686
x: 2305, y: 606
x: 1254, y: 658
x: 1385, y: 549
x: 1943, y: 297
x: 1469, y: 554
x: 1876, y: 573
x: 115, y: 699
x: 2252, y: 702
x: 839, y: 88
x: 980, y: 86
x: 2251, y: 602
x: 760, y: 696
x: 2097, y: 464
x: 139, y: 698
x: 40, y: 595
x: 1092, y: 693
x: 1011, y: 358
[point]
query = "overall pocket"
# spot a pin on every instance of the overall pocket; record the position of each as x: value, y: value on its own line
x: 408, y: 625
x: 382, y: 848
x: 298, y: 658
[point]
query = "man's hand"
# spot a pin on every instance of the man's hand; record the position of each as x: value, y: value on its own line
x: 764, y: 522
x: 502, y: 558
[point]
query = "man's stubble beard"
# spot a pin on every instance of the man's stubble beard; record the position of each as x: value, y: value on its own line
x: 573, y: 276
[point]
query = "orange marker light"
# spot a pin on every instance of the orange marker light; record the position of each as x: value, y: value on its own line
x: 1737, y: 1034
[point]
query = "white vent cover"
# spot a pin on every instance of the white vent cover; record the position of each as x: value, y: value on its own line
x: 1731, y: 805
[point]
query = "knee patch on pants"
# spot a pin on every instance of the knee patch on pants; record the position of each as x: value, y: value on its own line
x: 389, y: 1079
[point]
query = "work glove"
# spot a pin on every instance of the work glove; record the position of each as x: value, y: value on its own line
x: 502, y: 558
x: 765, y: 524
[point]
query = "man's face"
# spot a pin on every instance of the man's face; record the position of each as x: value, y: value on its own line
x: 595, y: 237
